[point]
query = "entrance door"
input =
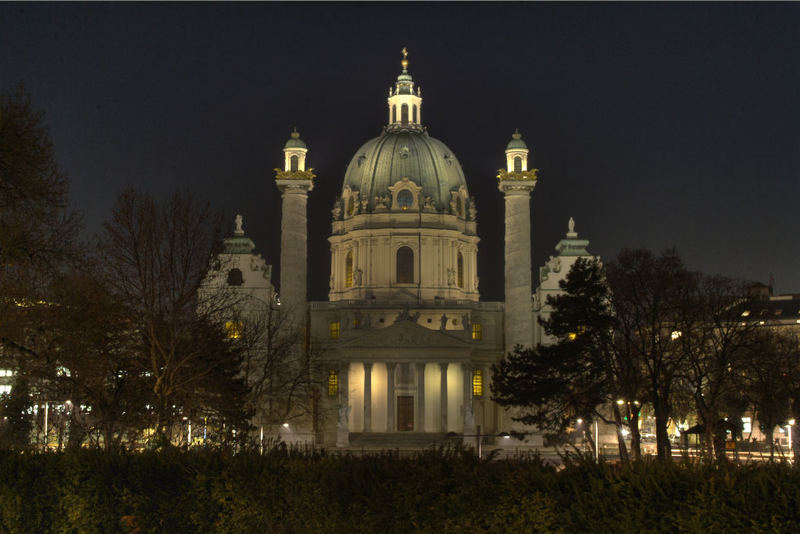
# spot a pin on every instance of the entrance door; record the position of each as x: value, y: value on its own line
x: 405, y: 413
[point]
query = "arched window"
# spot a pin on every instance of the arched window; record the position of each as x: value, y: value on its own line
x: 459, y: 207
x: 460, y: 270
x: 405, y: 199
x: 394, y: 113
x: 405, y: 265
x: 414, y: 114
x: 348, y: 269
x: 517, y: 164
x: 404, y: 114
x: 351, y: 206
x: 235, y: 277
x: 294, y: 162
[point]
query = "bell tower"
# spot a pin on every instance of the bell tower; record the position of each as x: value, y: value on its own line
x: 516, y: 183
x: 294, y: 183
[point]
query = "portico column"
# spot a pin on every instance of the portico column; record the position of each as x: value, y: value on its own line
x: 443, y: 395
x: 342, y: 430
x: 469, y: 413
x: 390, y: 367
x: 367, y: 397
x: 419, y: 425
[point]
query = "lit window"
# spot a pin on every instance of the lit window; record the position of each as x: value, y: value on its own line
x: 778, y: 312
x: 747, y: 425
x: 477, y: 383
x: 234, y: 329
x: 333, y: 383
x: 6, y: 372
x: 746, y: 313
x: 335, y: 330
x: 405, y: 199
x: 572, y: 336
x: 517, y: 164
x: 5, y: 389
x: 62, y: 371
x: 476, y: 331
x: 675, y: 335
x: 348, y: 269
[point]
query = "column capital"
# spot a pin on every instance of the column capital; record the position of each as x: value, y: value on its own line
x: 516, y: 187
x: 294, y: 185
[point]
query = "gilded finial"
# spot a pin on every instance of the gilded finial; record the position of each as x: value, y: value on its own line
x: 404, y: 63
x: 295, y: 133
x: 516, y: 134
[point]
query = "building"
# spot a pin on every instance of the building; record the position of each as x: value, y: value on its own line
x: 404, y: 340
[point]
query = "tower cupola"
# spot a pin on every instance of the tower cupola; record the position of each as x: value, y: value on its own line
x: 516, y: 154
x: 405, y: 103
x: 295, y: 153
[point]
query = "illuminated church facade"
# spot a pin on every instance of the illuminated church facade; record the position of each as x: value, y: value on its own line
x: 405, y: 342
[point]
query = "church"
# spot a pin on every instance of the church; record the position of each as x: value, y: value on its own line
x: 405, y: 342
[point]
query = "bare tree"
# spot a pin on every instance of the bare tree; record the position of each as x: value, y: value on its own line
x: 37, y: 228
x: 647, y: 292
x: 768, y: 376
x: 156, y: 256
x: 712, y: 341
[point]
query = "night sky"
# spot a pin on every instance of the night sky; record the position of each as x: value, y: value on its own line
x: 652, y: 124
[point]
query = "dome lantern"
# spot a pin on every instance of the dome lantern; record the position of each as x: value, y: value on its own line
x: 405, y: 106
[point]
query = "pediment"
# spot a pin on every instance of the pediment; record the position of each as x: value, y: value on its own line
x: 405, y: 334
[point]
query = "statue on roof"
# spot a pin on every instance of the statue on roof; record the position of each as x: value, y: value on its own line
x: 571, y: 225
x: 238, y: 222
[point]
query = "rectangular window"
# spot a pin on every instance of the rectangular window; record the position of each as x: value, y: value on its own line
x: 333, y: 383
x: 6, y: 372
x: 335, y: 329
x: 477, y: 383
x: 476, y: 331
x: 5, y: 390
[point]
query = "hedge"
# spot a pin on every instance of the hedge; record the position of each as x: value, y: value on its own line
x: 437, y: 491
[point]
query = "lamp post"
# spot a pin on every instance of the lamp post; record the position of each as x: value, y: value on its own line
x: 479, y: 438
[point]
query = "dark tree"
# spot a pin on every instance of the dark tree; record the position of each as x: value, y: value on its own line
x: 769, y: 374
x: 647, y: 296
x: 37, y: 229
x: 156, y: 256
x: 712, y: 340
x: 555, y: 385
x: 90, y: 359
x: 16, y: 422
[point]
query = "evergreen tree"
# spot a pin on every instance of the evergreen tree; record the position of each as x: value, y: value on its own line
x: 555, y: 385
